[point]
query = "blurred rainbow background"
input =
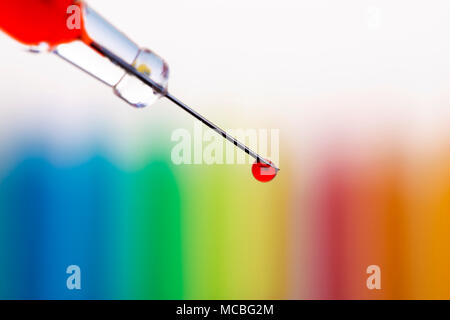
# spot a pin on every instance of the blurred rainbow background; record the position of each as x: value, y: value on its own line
x: 360, y: 93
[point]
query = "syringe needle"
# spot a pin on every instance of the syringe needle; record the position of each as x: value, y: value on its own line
x: 155, y: 86
x: 220, y: 131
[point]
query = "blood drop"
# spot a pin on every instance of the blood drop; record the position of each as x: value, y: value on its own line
x: 35, y: 21
x: 263, y: 172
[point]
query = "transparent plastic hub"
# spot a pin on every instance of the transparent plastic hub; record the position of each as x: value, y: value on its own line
x: 136, y: 93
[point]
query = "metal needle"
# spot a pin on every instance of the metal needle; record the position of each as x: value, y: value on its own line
x: 145, y: 79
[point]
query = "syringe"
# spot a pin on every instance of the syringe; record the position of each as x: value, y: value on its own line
x: 75, y: 32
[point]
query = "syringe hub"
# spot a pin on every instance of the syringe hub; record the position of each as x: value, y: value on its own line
x: 134, y: 91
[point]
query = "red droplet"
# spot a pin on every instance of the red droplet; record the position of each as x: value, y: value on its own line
x: 263, y: 172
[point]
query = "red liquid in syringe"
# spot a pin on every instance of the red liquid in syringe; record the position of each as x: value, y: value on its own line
x: 36, y: 21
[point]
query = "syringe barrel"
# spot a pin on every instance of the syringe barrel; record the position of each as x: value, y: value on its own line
x: 97, y: 30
